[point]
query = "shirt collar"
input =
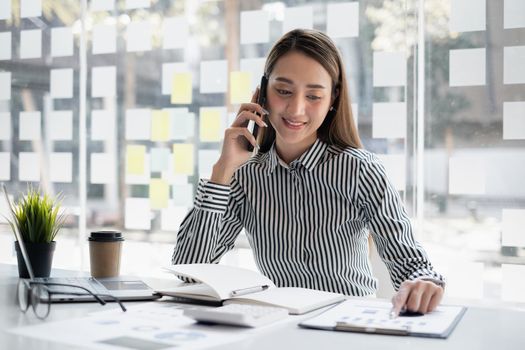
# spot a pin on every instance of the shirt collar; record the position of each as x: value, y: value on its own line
x: 309, y: 159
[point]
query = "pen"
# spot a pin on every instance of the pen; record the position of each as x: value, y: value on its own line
x: 248, y: 290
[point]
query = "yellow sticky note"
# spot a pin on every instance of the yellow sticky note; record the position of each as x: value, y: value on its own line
x: 159, y: 193
x: 181, y: 92
x: 240, y: 87
x: 160, y: 125
x: 183, y: 159
x: 135, y: 157
x: 210, y: 125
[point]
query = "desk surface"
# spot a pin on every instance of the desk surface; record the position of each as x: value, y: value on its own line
x: 480, y: 328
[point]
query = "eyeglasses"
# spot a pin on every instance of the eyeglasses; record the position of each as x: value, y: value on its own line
x: 38, y: 295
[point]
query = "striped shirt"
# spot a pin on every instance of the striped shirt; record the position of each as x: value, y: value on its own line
x: 307, y: 222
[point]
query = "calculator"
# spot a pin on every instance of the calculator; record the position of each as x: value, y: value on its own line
x: 243, y: 315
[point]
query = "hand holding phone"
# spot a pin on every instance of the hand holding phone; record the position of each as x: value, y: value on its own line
x: 261, y: 101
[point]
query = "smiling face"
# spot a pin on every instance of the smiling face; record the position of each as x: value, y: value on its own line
x: 299, y: 96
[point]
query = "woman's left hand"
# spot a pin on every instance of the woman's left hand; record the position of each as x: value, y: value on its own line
x: 417, y: 296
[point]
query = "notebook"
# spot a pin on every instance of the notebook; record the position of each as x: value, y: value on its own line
x: 228, y: 284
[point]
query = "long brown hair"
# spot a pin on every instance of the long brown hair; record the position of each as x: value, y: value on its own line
x: 339, y: 127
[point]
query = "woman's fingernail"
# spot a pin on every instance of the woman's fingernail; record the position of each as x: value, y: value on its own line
x: 265, y: 111
x: 266, y: 125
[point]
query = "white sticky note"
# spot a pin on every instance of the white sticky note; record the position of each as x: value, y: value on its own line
x: 513, y: 283
x: 342, y: 20
x: 467, y: 67
x: 301, y: 17
x: 102, y: 125
x: 104, y: 38
x: 512, y: 224
x: 61, y: 42
x: 138, y: 36
x: 175, y: 32
x: 395, y: 166
x: 513, y: 14
x: 60, y: 125
x: 102, y: 5
x: 467, y: 15
x: 457, y: 285
x: 389, y: 120
x: 183, y: 124
x: 214, y: 76
x: 160, y: 159
x: 172, y: 217
x: 136, y: 4
x: 5, y: 46
x: 514, y: 120
x: 30, y: 8
x: 207, y: 158
x: 104, y: 81
x: 5, y: 166
x: 5, y: 9
x: 5, y: 86
x: 183, y: 195
x: 255, y: 27
x: 61, y: 167
x: 168, y: 69
x: 467, y: 175
x: 103, y: 168
x: 513, y: 67
x: 29, y: 126
x: 61, y: 83
x: 137, y: 214
x: 390, y: 69
x: 5, y: 122
x: 31, y: 43
x: 28, y: 166
x: 254, y: 66
x: 138, y: 124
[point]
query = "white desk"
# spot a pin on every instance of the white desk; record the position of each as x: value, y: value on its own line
x: 480, y: 328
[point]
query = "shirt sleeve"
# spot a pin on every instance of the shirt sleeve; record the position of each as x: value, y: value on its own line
x: 209, y: 230
x: 391, y: 228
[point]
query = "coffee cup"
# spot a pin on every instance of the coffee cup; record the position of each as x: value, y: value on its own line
x: 104, y: 253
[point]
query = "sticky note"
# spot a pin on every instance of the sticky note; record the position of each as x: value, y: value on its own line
x: 255, y: 27
x: 389, y: 120
x: 138, y: 124
x: 104, y: 81
x: 256, y: 67
x: 172, y: 217
x: 31, y: 43
x: 102, y: 125
x: 214, y: 76
x: 301, y: 17
x: 182, y: 124
x: 159, y: 191
x: 207, y: 158
x: 135, y: 4
x: 135, y: 159
x: 183, y: 159
x: 29, y: 126
x: 102, y: 168
x: 5, y: 9
x: 30, y: 8
x: 138, y: 36
x: 467, y: 15
x: 140, y: 179
x: 61, y: 42
x: 183, y: 195
x: 5, y: 166
x: 513, y: 284
x: 513, y: 14
x: 467, y: 175
x: 211, y: 125
x: 102, y: 5
x: 61, y: 167
x: 181, y: 88
x: 160, y: 159
x: 137, y: 214
x: 5, y: 46
x: 342, y: 20
x: 514, y: 120
x: 61, y: 83
x: 28, y: 166
x: 160, y: 125
x: 512, y: 224
x: 240, y: 87
x: 467, y: 67
x: 5, y: 86
x: 104, y: 38
x: 513, y: 67
x: 175, y: 32
x: 395, y: 166
x: 5, y: 122
x: 60, y: 125
x: 168, y: 69
x: 390, y: 69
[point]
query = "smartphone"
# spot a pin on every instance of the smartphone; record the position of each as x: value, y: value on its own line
x: 261, y: 101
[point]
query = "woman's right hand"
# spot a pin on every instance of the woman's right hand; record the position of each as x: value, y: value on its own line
x: 234, y: 152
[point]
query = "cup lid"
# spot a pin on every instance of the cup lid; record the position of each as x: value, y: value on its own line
x: 106, y: 236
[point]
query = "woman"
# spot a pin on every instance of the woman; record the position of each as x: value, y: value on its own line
x: 310, y: 196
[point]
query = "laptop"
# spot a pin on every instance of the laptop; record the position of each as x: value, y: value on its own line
x: 123, y: 288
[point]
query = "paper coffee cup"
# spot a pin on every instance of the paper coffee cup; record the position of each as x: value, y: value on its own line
x: 104, y: 253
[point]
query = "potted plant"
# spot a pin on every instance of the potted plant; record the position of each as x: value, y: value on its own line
x: 38, y: 220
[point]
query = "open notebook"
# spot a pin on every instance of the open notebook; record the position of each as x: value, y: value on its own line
x: 229, y: 284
